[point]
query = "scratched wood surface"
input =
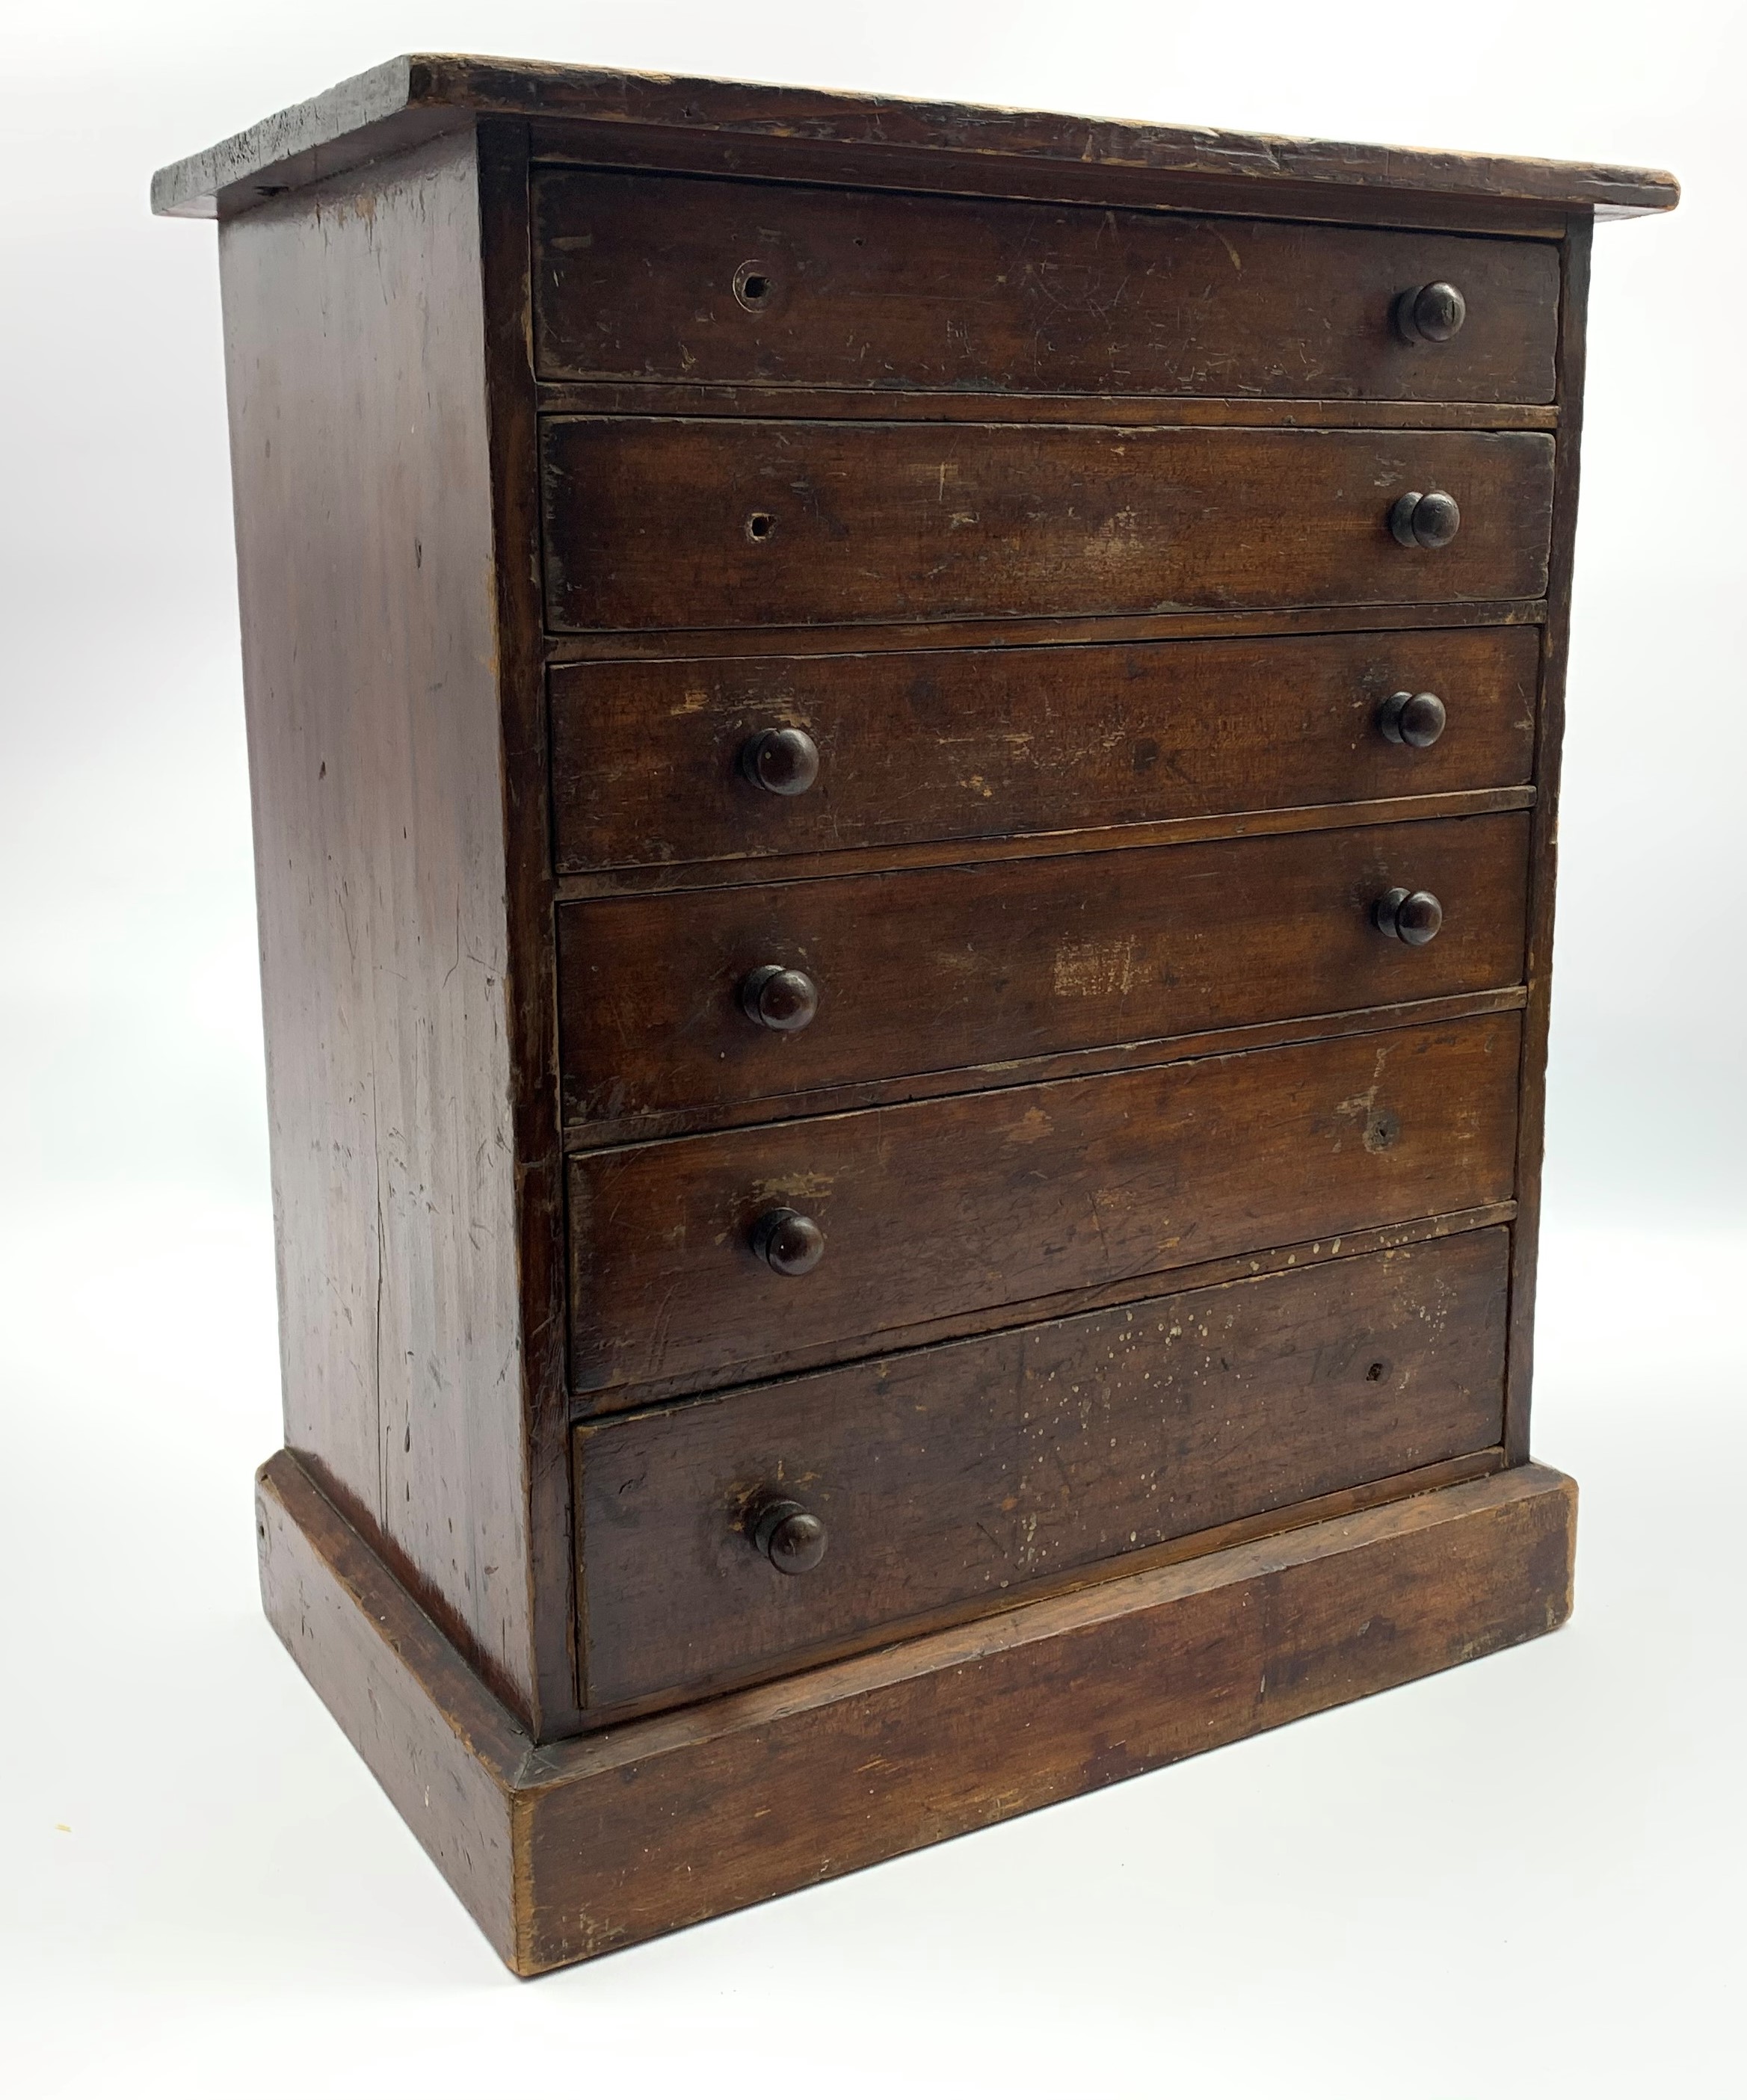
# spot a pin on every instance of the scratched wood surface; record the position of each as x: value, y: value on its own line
x: 990, y: 1199
x: 935, y: 968
x: 1003, y: 743
x: 577, y: 111
x: 663, y: 277
x: 653, y: 523
x: 366, y: 569
x: 948, y: 1475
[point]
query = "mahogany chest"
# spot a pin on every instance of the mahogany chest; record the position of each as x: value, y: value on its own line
x: 904, y: 765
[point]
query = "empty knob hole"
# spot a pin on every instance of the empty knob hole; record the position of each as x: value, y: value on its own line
x: 752, y: 286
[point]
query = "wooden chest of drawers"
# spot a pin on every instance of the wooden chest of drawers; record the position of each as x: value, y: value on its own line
x: 905, y: 765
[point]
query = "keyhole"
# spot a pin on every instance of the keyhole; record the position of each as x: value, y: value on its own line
x: 760, y: 526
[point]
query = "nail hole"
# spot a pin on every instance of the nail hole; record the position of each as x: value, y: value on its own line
x: 1376, y: 1372
x: 760, y: 526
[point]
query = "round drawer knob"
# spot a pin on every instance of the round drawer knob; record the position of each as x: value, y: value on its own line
x: 788, y: 1536
x: 1412, y: 916
x: 782, y: 761
x: 1414, y: 718
x: 782, y: 1000
x: 1430, y: 313
x: 791, y: 1244
x: 1430, y: 520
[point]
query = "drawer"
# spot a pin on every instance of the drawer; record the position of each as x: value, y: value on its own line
x: 670, y: 278
x: 947, y: 1209
x: 654, y: 523
x: 931, y: 969
x: 927, y: 744
x: 944, y: 1476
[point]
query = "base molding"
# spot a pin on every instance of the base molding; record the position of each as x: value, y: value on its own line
x: 569, y: 1850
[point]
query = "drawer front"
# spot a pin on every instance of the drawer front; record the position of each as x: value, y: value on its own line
x: 974, y: 744
x: 946, y: 1208
x: 946, y: 1475
x: 938, y: 968
x: 655, y: 522
x: 653, y: 277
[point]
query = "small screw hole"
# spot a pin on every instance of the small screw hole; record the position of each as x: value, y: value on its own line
x: 760, y: 525
x: 1376, y: 1372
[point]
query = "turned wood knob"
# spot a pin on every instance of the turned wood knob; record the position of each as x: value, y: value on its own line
x: 1430, y: 520
x: 782, y: 761
x: 1412, y: 916
x: 1430, y: 313
x: 790, y: 1242
x: 788, y: 1536
x: 779, y: 998
x: 1414, y: 718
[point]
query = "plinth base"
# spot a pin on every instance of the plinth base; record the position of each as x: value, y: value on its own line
x: 572, y: 1849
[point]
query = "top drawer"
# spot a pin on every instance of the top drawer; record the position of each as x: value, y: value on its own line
x: 682, y: 278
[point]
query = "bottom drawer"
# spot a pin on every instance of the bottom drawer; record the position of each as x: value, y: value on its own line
x: 945, y: 1475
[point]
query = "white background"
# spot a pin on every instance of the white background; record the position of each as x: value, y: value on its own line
x: 1524, y: 1877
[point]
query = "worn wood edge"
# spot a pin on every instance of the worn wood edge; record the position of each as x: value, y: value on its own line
x: 609, y: 1401
x: 530, y: 988
x: 350, y: 116
x: 444, y: 1749
x: 1465, y: 1570
x: 634, y: 879
x: 1191, y: 1545
x: 799, y: 402
x: 609, y: 1134
x: 1543, y: 852
x: 1034, y: 1706
x: 661, y: 645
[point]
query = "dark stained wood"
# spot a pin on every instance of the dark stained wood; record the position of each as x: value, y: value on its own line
x: 671, y: 278
x: 355, y: 337
x: 876, y: 734
x: 955, y: 1473
x: 1000, y: 743
x: 348, y: 123
x: 1549, y: 751
x: 670, y: 397
x: 963, y: 967
x: 995, y: 1198
x: 746, y: 524
x: 530, y: 983
x: 572, y: 1849
x: 930, y: 1085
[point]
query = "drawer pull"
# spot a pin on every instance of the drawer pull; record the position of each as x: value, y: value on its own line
x: 782, y: 761
x: 781, y: 1000
x: 791, y: 1244
x: 1430, y: 313
x: 1431, y: 520
x: 1414, y: 718
x: 1412, y: 916
x: 790, y: 1538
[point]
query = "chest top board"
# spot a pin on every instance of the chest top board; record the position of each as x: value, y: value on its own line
x: 904, y: 762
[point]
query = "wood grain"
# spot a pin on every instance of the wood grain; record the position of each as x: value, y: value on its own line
x: 354, y: 333
x: 653, y: 523
x: 346, y: 125
x: 992, y: 1199
x: 942, y: 968
x: 674, y: 397
x: 953, y: 1474
x: 569, y: 1851
x: 942, y: 744
x: 645, y: 276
